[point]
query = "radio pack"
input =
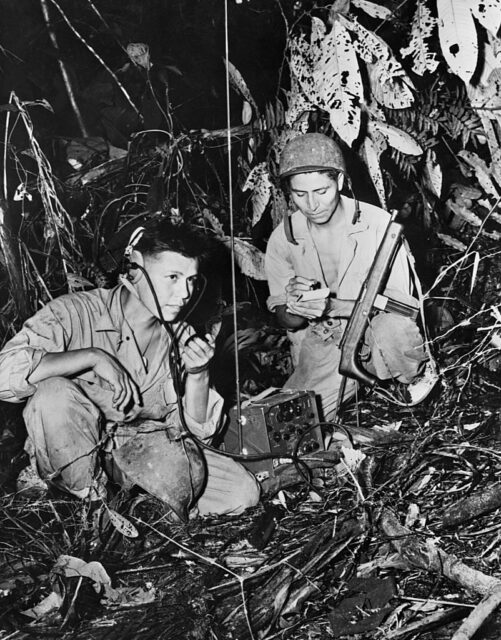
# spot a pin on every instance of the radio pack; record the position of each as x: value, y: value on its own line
x: 279, y: 423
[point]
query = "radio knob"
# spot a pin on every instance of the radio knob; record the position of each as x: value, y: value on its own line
x: 277, y: 437
x: 287, y: 436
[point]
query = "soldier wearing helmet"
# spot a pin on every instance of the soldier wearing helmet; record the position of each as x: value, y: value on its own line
x: 329, y: 242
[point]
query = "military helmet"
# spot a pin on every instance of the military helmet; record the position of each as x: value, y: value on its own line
x: 310, y: 152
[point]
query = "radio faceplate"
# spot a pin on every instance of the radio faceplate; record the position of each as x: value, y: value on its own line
x: 274, y: 424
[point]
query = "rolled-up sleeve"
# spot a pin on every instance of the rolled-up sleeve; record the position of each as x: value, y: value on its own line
x: 205, y: 430
x: 278, y: 267
x: 39, y: 335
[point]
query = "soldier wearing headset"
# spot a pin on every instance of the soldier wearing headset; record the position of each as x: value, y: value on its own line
x: 94, y: 370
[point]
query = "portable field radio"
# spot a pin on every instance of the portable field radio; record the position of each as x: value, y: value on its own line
x: 281, y: 423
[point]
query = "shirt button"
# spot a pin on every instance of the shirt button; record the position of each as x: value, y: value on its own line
x: 329, y: 323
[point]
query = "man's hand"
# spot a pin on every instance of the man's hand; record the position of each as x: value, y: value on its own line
x: 197, y: 352
x: 309, y: 309
x: 109, y: 370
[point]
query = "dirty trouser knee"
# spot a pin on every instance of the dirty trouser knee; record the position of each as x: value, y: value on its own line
x: 64, y: 429
x: 394, y: 347
x: 230, y: 487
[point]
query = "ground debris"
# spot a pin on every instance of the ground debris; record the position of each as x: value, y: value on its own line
x: 301, y: 568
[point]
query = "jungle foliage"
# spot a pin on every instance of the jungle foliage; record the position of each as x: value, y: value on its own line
x: 101, y: 133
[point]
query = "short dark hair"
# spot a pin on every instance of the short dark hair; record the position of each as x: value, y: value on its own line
x: 162, y: 235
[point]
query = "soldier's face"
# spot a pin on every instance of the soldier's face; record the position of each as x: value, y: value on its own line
x: 316, y: 195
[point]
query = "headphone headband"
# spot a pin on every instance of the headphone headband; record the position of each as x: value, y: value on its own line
x: 136, y: 235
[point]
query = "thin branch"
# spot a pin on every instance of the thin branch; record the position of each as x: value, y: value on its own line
x: 98, y: 57
x: 64, y: 70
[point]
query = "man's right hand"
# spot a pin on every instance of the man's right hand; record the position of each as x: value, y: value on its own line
x: 111, y: 372
x: 309, y: 309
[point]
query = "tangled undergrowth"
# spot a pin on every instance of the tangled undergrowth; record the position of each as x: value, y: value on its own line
x: 310, y: 565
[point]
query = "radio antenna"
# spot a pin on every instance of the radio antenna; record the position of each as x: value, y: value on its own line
x: 230, y: 204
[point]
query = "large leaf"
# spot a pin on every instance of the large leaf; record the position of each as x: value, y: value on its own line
x: 369, y: 46
x: 488, y: 13
x: 390, y: 84
x: 458, y: 36
x: 423, y: 25
x: 337, y: 76
x: 259, y: 181
x: 397, y: 138
x: 372, y: 9
x: 301, y: 64
x: 372, y: 155
x: 248, y: 257
x: 240, y: 85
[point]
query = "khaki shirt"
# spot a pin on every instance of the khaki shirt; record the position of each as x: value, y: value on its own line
x: 95, y: 319
x: 285, y: 260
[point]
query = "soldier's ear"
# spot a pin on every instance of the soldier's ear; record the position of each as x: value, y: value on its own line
x: 135, y: 274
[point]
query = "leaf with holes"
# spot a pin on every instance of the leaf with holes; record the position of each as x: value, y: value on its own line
x: 122, y: 525
x: 368, y: 45
x: 301, y: 65
x: 248, y: 257
x: 318, y: 31
x: 337, y: 76
x: 390, y: 85
x: 372, y: 9
x: 239, y: 84
x: 458, y: 37
x: 433, y: 174
x: 259, y: 181
x: 488, y: 13
x: 422, y: 28
x: 372, y: 155
x: 397, y: 138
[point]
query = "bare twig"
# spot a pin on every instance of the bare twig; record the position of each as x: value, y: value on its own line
x: 64, y: 70
x: 98, y: 58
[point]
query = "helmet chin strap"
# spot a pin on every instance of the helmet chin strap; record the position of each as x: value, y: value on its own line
x: 288, y: 229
